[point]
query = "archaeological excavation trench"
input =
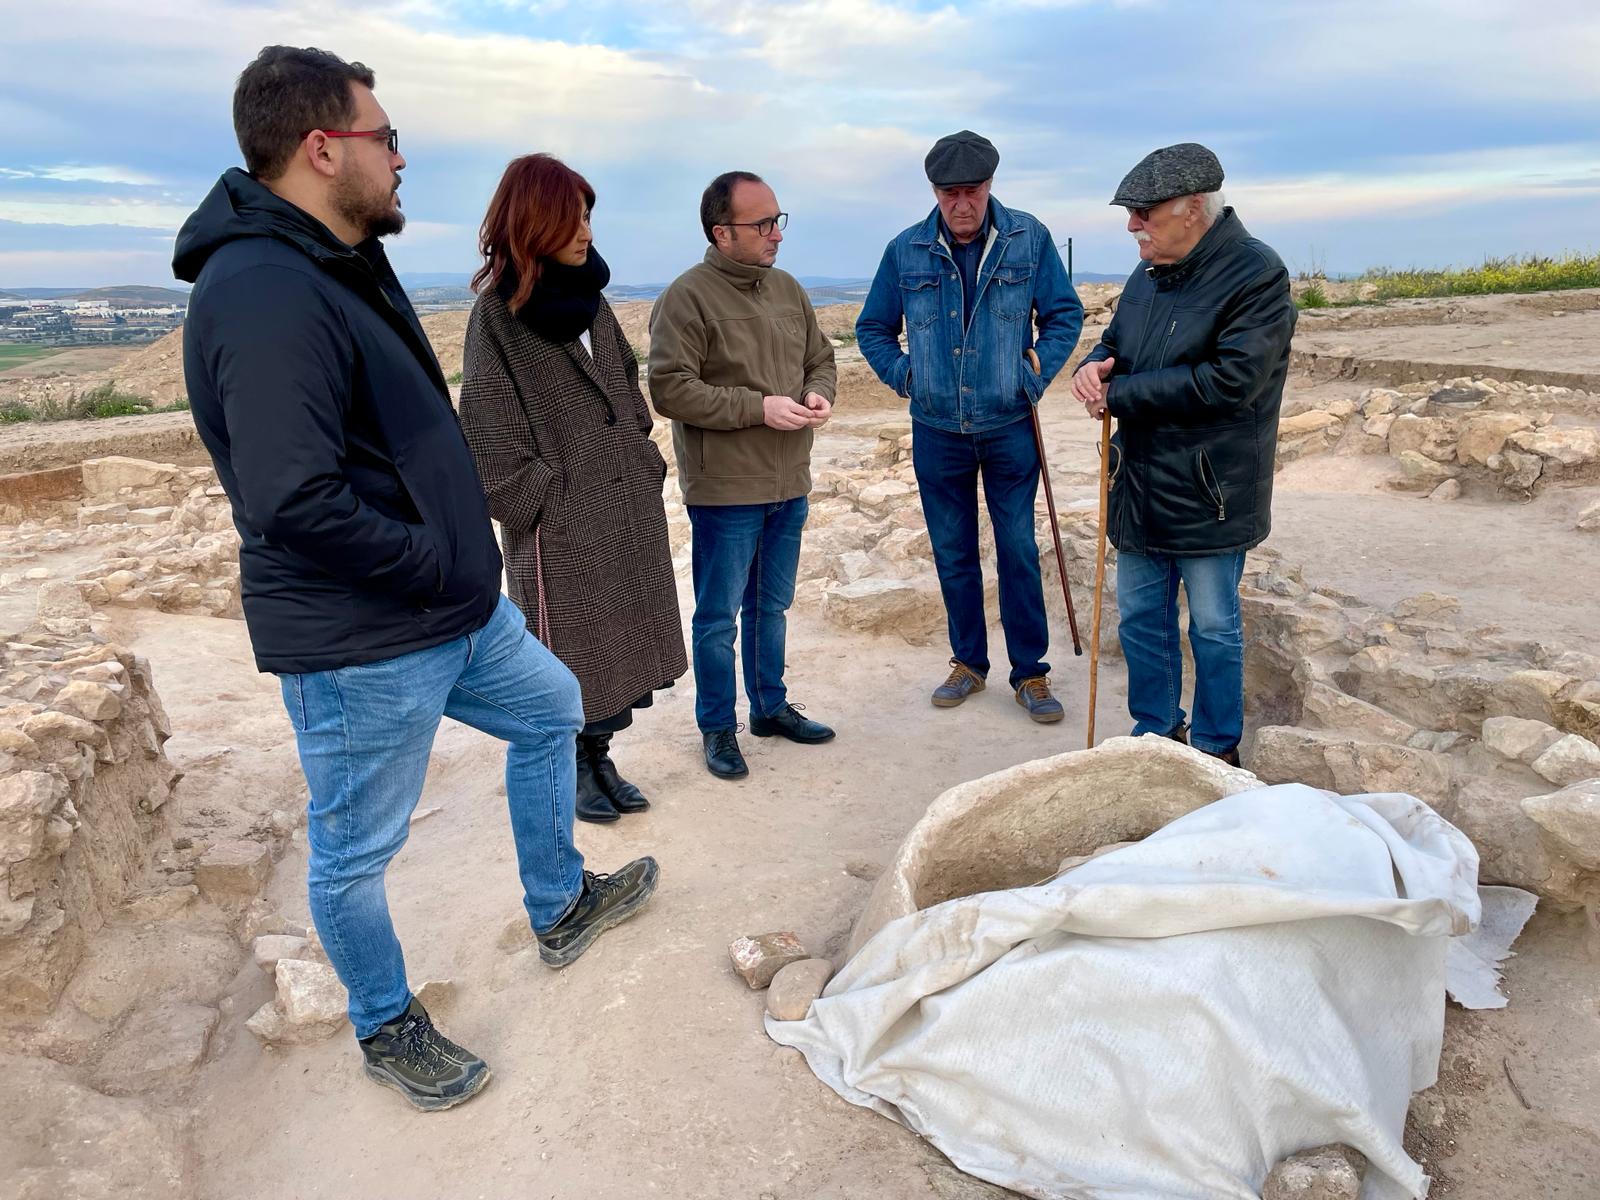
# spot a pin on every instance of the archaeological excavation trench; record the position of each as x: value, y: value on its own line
x: 1421, y: 622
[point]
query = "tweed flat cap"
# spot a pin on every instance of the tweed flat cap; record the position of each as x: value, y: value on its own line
x: 960, y: 158
x: 1180, y: 170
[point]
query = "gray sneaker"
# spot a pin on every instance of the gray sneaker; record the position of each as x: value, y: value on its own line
x: 607, y: 900
x: 409, y: 1055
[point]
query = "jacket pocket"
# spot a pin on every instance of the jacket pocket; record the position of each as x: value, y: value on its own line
x: 1011, y: 293
x: 919, y: 297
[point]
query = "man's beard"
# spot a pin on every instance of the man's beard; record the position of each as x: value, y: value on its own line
x: 376, y: 215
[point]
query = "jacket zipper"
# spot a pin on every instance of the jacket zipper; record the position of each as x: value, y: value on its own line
x: 1212, y: 486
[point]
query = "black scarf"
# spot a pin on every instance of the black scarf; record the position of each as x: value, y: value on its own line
x: 566, y: 299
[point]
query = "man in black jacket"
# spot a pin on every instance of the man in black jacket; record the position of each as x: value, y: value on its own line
x: 371, y: 576
x: 1192, y: 366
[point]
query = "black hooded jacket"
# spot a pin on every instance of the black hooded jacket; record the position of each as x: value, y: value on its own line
x: 365, y: 534
x: 1201, y: 349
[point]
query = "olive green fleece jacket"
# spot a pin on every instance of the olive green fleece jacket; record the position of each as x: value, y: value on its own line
x: 723, y: 336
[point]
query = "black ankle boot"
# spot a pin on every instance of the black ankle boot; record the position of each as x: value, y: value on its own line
x: 623, y: 795
x: 593, y: 804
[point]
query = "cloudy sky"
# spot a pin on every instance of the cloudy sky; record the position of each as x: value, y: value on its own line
x: 1354, y: 132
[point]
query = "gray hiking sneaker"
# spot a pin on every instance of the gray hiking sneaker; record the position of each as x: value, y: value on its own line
x: 409, y: 1055
x: 607, y: 900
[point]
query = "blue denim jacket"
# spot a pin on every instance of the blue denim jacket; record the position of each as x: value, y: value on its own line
x: 972, y: 379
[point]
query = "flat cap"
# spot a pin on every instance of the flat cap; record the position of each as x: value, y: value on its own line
x: 1180, y: 170
x: 960, y: 158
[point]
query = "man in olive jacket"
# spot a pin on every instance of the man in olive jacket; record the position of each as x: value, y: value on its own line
x: 738, y: 364
x: 1192, y: 367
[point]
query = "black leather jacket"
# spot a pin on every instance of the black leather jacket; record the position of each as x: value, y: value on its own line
x: 1201, y: 349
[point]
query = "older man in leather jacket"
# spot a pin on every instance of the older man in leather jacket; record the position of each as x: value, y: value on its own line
x: 1192, y: 367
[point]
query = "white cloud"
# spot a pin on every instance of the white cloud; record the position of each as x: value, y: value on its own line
x: 93, y: 210
x: 1440, y: 181
x: 82, y: 174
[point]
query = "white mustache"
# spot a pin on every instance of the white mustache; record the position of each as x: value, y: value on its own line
x: 1141, y: 236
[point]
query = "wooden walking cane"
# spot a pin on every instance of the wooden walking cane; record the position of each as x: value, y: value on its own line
x: 1050, y: 503
x: 1099, y: 570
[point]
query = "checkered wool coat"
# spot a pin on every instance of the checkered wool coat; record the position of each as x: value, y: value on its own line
x: 562, y: 442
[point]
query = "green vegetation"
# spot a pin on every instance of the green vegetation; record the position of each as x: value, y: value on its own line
x: 1528, y: 273
x: 14, y: 354
x: 1313, y: 297
x: 453, y: 378
x: 106, y: 400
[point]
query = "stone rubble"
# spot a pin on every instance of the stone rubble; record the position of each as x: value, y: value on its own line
x: 1444, y: 434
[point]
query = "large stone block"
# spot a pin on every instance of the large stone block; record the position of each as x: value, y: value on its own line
x: 1013, y: 828
x: 107, y: 476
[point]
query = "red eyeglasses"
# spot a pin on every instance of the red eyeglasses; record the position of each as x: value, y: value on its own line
x: 392, y: 136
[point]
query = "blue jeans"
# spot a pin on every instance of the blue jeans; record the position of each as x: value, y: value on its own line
x: 1147, y: 602
x: 745, y: 559
x: 364, y: 734
x: 947, y: 466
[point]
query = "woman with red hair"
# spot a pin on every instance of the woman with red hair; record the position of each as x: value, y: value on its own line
x: 551, y: 407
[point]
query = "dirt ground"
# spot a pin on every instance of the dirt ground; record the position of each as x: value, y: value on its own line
x: 644, y: 1067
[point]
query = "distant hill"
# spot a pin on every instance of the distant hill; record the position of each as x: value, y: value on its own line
x: 441, y: 295
x: 126, y: 295
x: 133, y: 295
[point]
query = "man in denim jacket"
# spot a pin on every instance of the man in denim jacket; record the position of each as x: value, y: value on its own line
x: 969, y: 284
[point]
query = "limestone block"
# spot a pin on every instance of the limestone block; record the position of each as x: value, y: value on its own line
x: 89, y: 700
x: 1484, y: 435
x: 233, y: 873
x: 107, y: 476
x: 757, y: 959
x: 1570, y: 821
x: 1328, y: 708
x: 913, y: 608
x: 270, y: 948
x: 1428, y: 436
x: 1519, y: 739
x: 1569, y: 448
x: 309, y: 993
x: 1421, y: 474
x: 1568, y: 761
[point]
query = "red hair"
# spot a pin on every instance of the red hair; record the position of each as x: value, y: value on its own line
x: 537, y: 209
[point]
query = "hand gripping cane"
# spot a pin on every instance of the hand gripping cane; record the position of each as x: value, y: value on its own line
x: 1055, y: 525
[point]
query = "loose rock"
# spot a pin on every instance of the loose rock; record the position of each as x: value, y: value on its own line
x: 1570, y: 760
x: 1325, y: 1173
x: 759, y: 958
x: 157, y: 1048
x: 796, y: 986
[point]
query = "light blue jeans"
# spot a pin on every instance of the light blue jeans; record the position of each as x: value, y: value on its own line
x: 1147, y: 604
x: 364, y: 735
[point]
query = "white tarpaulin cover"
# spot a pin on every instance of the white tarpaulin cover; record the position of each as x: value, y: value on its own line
x: 1169, y: 1020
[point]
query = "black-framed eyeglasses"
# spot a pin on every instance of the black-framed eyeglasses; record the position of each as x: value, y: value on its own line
x: 763, y: 227
x: 1142, y: 213
x: 392, y: 136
